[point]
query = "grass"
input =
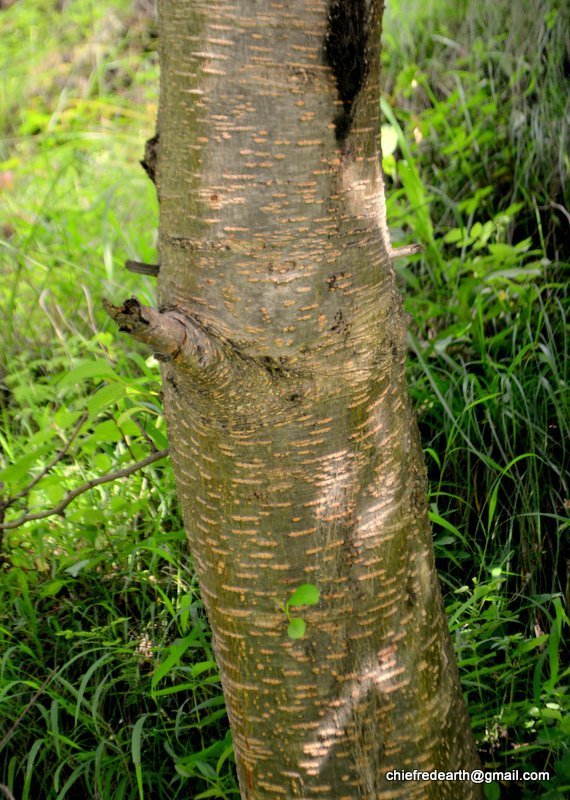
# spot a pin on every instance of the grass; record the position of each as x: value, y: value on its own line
x: 107, y: 682
x: 489, y: 355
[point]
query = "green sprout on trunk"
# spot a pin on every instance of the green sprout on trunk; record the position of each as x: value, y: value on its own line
x: 305, y: 595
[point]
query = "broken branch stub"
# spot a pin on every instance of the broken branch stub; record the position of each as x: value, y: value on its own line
x: 171, y: 334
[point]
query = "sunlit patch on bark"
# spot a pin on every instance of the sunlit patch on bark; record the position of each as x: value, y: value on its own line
x: 363, y: 187
x: 379, y: 677
x: 335, y: 482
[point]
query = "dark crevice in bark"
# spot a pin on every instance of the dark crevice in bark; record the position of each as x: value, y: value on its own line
x: 150, y: 156
x: 172, y: 381
x: 345, y: 53
x: 276, y: 367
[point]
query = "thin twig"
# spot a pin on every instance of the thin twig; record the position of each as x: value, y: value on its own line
x: 27, y: 489
x: 110, y: 476
x: 6, y: 792
x: 142, y: 269
x: 405, y: 250
x: 560, y: 208
x: 125, y: 440
x: 142, y: 429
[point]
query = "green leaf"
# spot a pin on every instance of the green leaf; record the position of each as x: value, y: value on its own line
x: 181, y: 687
x: 187, y: 765
x: 102, y: 462
x: 492, y: 791
x: 416, y: 195
x: 297, y: 628
x: 88, y: 369
x: 430, y: 451
x: 20, y: 467
x: 228, y: 753
x: 52, y: 588
x: 437, y: 520
x: 531, y: 644
x: 492, y: 505
x: 453, y: 235
x: 554, y: 644
x: 76, y: 568
x: 203, y: 666
x: 305, y: 595
x: 514, y: 274
x: 136, y: 752
x: 106, y: 396
x: 106, y: 431
x: 550, y: 713
x: 34, y: 750
x: 176, y: 651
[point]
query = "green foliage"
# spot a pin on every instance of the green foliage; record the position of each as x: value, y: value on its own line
x: 93, y: 604
x: 296, y: 628
x: 108, y: 687
x: 305, y: 595
x: 85, y: 646
x: 492, y: 77
x: 77, y: 98
x: 489, y: 356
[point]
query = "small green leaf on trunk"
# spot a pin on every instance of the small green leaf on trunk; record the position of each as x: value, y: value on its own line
x: 305, y: 595
x: 296, y: 628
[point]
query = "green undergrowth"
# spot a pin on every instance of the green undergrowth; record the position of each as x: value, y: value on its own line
x: 476, y: 161
x: 107, y: 683
x: 77, y: 98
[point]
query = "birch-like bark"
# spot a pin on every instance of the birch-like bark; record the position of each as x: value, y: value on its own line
x: 295, y: 450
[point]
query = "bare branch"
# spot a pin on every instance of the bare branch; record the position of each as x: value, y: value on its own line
x: 142, y: 269
x: 171, y: 334
x: 162, y: 332
x: 143, y: 431
x: 70, y: 496
x: 57, y: 458
x: 405, y: 250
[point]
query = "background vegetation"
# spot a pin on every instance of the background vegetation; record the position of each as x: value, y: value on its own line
x: 108, y: 688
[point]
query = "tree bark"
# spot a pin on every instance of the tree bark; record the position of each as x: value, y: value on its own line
x: 296, y: 453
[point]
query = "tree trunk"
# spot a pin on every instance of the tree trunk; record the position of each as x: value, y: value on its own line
x: 296, y: 453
